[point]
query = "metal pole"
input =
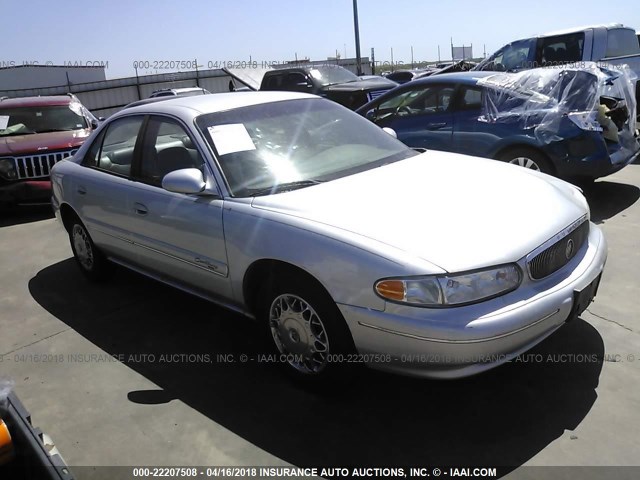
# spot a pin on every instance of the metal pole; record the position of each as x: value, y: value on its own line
x: 373, y: 61
x: 412, y: 57
x: 357, y: 32
x: 138, y: 84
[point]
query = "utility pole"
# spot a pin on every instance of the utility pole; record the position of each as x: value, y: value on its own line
x: 357, y: 32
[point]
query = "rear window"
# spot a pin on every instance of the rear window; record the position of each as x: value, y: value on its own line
x: 621, y: 42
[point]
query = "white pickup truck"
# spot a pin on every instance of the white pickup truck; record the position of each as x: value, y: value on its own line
x: 614, y: 44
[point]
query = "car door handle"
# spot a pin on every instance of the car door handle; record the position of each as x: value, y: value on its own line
x: 140, y: 209
x: 436, y: 126
x: 81, y: 191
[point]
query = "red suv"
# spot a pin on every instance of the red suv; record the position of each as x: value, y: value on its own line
x: 36, y: 133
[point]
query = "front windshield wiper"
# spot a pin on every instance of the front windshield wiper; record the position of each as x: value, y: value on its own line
x: 283, y: 187
x: 14, y: 134
x: 49, y: 130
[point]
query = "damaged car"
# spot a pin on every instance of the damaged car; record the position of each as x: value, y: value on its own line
x: 574, y: 123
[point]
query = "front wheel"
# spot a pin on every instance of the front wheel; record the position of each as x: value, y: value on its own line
x: 309, y: 333
x: 527, y: 158
x: 91, y: 261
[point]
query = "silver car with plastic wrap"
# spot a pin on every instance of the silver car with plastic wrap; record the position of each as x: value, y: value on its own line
x: 348, y: 246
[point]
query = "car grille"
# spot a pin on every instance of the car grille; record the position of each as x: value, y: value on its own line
x: 39, y: 166
x: 375, y: 94
x: 558, y: 255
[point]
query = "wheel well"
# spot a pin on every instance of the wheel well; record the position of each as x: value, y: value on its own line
x: 509, y: 148
x: 266, y: 271
x: 67, y: 214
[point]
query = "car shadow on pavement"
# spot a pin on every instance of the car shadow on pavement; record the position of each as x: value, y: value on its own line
x: 608, y: 199
x: 501, y: 418
x: 26, y: 214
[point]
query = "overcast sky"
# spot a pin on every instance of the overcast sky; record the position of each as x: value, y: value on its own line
x: 121, y: 32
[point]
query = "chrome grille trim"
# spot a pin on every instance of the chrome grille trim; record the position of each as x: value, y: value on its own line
x: 550, y: 256
x: 39, y: 165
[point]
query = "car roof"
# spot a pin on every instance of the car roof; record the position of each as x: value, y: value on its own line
x: 567, y: 31
x: 51, y: 100
x: 306, y: 67
x: 179, y: 90
x: 464, y: 78
x: 191, y: 107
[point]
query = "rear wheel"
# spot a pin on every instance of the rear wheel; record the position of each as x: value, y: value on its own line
x: 310, y: 336
x: 91, y: 261
x: 527, y: 158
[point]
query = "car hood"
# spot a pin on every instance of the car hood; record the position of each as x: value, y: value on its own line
x: 454, y: 211
x: 366, y: 85
x: 42, y: 142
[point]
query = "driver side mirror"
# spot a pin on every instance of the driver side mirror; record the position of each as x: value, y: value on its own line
x: 390, y: 131
x: 185, y: 180
x: 94, y: 124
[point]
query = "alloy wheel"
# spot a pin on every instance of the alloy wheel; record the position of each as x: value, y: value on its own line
x: 526, y: 163
x: 299, y: 333
x: 82, y: 246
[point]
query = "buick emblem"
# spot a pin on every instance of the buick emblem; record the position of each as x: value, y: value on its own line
x: 568, y: 250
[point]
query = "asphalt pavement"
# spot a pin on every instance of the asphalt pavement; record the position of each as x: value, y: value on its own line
x: 132, y: 372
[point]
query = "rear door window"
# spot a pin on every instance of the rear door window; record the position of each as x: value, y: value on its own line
x: 470, y: 98
x: 560, y: 49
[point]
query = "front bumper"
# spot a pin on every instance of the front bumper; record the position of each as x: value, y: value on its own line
x: 463, y: 341
x: 25, y: 192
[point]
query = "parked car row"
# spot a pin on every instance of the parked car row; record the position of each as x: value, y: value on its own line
x: 342, y: 241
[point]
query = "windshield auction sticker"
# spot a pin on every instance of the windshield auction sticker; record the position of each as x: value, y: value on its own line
x: 4, y: 121
x: 231, y: 138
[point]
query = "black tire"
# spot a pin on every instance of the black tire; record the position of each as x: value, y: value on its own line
x: 91, y: 261
x: 312, y: 345
x: 528, y: 158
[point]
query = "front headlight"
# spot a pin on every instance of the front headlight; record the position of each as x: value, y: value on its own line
x: 451, y: 289
x: 7, y: 169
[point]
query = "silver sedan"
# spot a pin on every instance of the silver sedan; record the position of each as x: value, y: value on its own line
x: 345, y: 244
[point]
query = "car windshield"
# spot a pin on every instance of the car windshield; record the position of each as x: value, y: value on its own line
x: 510, y: 58
x: 330, y: 75
x: 279, y: 146
x: 39, y: 119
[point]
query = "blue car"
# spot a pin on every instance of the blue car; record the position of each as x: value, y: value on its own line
x: 571, y: 123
